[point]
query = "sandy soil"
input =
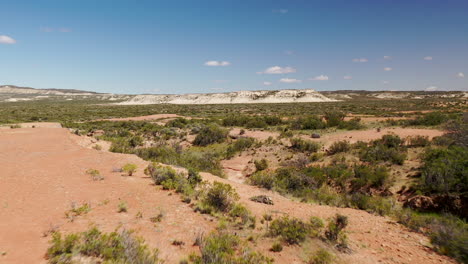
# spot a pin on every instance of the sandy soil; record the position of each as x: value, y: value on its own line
x: 44, y: 172
x: 368, y: 135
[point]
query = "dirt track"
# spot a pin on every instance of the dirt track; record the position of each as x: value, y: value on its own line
x: 44, y: 172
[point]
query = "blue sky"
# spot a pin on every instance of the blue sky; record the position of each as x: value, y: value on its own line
x: 138, y: 46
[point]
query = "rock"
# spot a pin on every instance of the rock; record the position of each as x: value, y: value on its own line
x: 262, y: 199
x: 315, y: 135
x: 420, y: 202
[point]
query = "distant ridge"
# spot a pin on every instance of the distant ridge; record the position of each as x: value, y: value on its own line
x: 28, y: 90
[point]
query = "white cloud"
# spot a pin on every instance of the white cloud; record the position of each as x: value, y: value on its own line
x: 460, y: 75
x: 348, y: 77
x: 6, y: 40
x: 387, y: 69
x: 360, y: 60
x: 385, y: 82
x: 217, y: 63
x: 320, y: 78
x: 289, y: 80
x: 281, y: 11
x: 428, y: 58
x: 387, y: 57
x: 267, y: 83
x: 278, y: 70
x: 432, y: 88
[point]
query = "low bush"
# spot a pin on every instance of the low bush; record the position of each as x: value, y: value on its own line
x: 221, y: 247
x: 334, y: 232
x: 276, y: 247
x: 263, y: 179
x: 304, y: 145
x: 418, y: 141
x: 366, y: 177
x: 210, y: 134
x: 219, y: 197
x: 291, y: 230
x: 338, y: 147
x: 444, y: 170
x: 239, y: 145
x: 261, y: 164
x: 112, y: 247
x: 129, y: 168
x: 322, y: 256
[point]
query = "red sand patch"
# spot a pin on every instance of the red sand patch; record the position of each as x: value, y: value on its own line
x: 44, y: 172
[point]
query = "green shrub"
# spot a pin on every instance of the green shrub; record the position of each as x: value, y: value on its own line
x: 291, y: 230
x: 388, y: 148
x: 308, y: 122
x: 220, y: 247
x: 95, y: 174
x: 210, y: 134
x: 219, y: 197
x: 276, y: 247
x: 418, y: 141
x: 263, y: 179
x: 111, y: 247
x: 339, y: 146
x: 445, y: 170
x: 322, y: 256
x: 367, y: 177
x: 335, y: 228
x: 129, y: 168
x: 122, y: 207
x: 172, y: 180
x: 304, y: 145
x: 261, y: 164
x: 239, y: 145
x: 334, y: 118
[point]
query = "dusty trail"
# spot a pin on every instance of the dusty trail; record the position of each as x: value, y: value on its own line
x: 44, y: 172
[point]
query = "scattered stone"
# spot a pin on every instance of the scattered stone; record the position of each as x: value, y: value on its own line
x: 262, y: 199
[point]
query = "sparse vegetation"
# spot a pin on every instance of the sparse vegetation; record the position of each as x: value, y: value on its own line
x: 129, y: 168
x: 114, y: 247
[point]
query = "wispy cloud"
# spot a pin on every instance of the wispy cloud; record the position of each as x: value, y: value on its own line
x: 360, y: 60
x: 278, y: 70
x: 385, y: 82
x: 6, y: 40
x: 290, y: 80
x: 267, y: 83
x: 280, y: 11
x: 320, y: 78
x: 387, y: 69
x: 217, y: 63
x: 460, y: 75
x: 348, y: 77
x: 428, y: 58
x: 432, y: 88
x: 387, y: 57
x: 51, y: 29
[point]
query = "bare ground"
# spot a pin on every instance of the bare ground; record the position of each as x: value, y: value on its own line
x: 44, y: 172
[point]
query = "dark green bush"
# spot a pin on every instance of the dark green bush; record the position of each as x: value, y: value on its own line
x: 445, y: 170
x: 302, y: 145
x: 339, y: 146
x: 366, y: 177
x: 291, y: 230
x: 210, y: 134
x: 263, y: 179
x: 261, y: 164
x: 219, y: 197
x: 335, y: 228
